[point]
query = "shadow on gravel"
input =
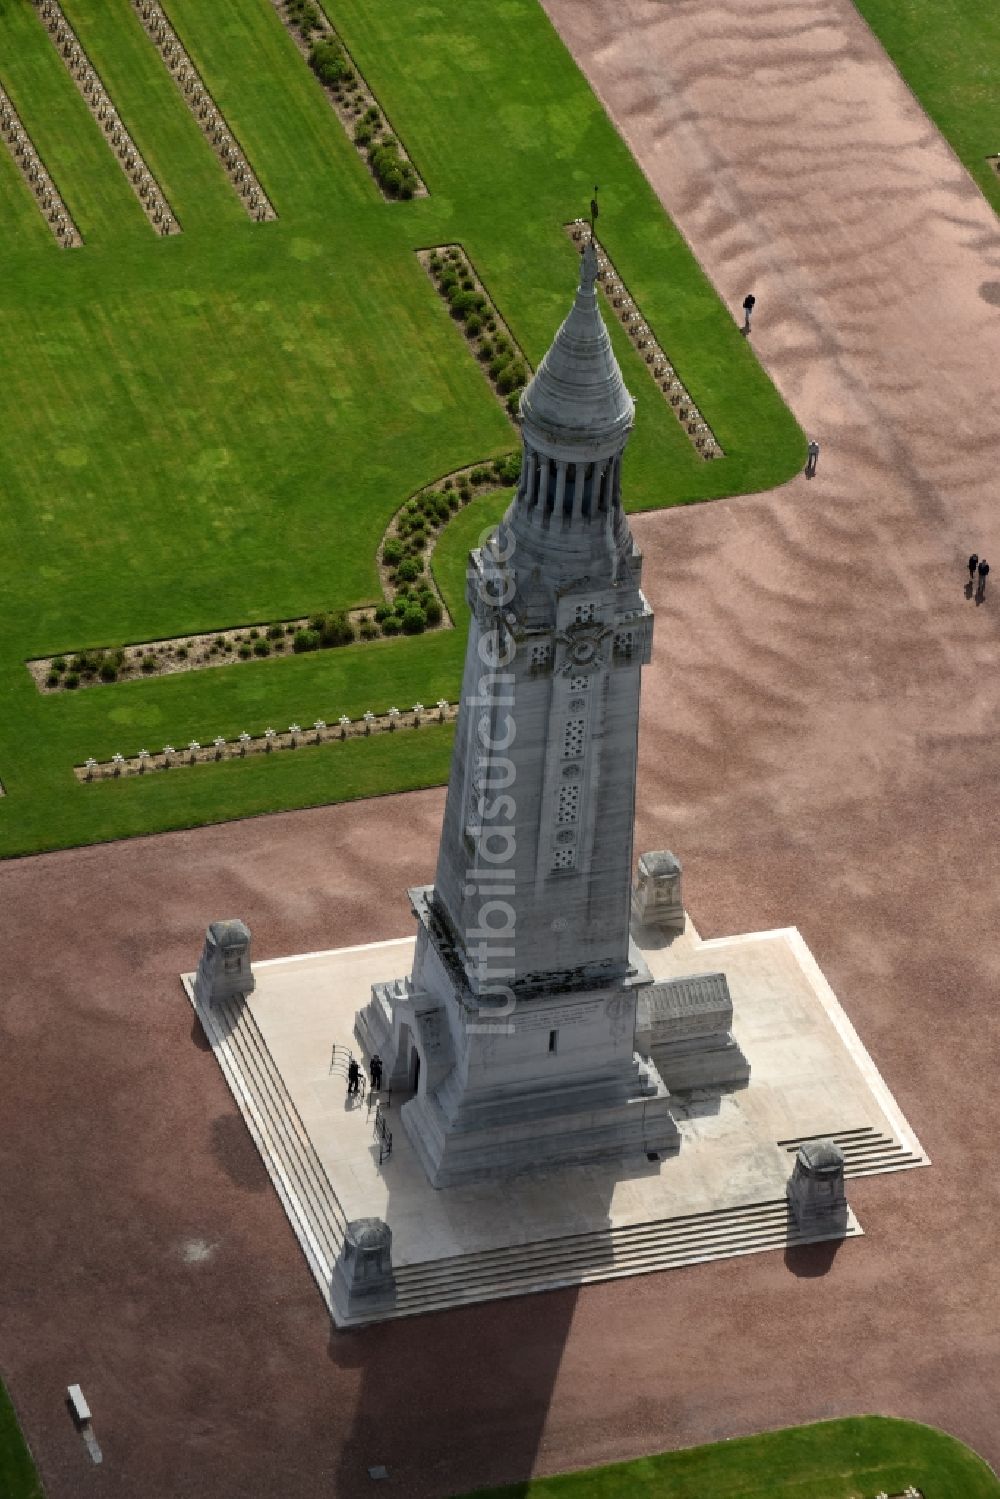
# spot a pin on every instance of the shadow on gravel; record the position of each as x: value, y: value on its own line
x: 198, y: 1035
x: 811, y: 1260
x: 236, y: 1153
x: 453, y: 1400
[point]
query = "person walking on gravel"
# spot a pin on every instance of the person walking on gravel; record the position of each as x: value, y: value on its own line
x: 973, y: 564
x: 749, y: 302
x: 812, y: 460
x: 984, y: 571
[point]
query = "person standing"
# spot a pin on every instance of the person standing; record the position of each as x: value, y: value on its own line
x: 973, y: 564
x: 353, y: 1077
x: 984, y: 570
x: 812, y: 460
x: 749, y: 302
x: 375, y: 1072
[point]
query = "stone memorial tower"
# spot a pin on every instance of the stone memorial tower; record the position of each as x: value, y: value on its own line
x: 517, y: 1025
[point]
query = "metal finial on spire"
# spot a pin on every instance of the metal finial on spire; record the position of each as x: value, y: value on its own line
x: 593, y: 213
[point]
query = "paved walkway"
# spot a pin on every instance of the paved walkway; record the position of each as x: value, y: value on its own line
x: 819, y: 744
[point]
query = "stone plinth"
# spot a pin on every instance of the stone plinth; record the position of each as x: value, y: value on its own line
x: 816, y: 1188
x: 656, y: 894
x: 224, y: 967
x: 685, y: 1026
x: 362, y: 1276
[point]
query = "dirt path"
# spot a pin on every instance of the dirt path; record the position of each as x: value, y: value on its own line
x: 819, y: 745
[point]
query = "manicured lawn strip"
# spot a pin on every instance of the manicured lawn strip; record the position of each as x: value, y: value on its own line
x: 314, y: 775
x: 18, y: 1479
x: 155, y: 114
x: 249, y: 496
x: 201, y: 433
x: 949, y: 54
x: 832, y: 1460
x: 65, y: 134
x: 273, y: 102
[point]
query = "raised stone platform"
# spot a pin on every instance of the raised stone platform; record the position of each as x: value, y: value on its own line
x: 723, y: 1194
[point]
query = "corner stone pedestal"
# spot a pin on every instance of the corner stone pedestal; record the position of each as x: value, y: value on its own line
x: 224, y: 968
x: 362, y: 1276
x: 656, y: 894
x: 815, y: 1189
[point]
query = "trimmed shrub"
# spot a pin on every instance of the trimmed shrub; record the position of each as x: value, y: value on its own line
x: 261, y: 648
x: 508, y: 470
x: 514, y: 403
x: 53, y: 679
x: 382, y: 613
x: 182, y: 653
x: 305, y: 640
x: 480, y: 475
x: 327, y: 60
x: 59, y: 664
x: 433, y: 611
x: 414, y: 620
x: 363, y: 133
x: 409, y: 570
x: 108, y: 672
x: 274, y: 632
x: 246, y: 651
x: 254, y: 635
x: 473, y: 323
x: 507, y: 381
x: 337, y: 630
x: 391, y: 625
x: 149, y: 664
x: 72, y: 679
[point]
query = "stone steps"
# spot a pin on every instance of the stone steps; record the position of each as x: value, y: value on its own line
x: 631, y: 1250
x: 278, y: 1133
x: 866, y: 1151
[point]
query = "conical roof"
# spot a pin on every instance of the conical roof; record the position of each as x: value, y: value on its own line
x: 577, y: 393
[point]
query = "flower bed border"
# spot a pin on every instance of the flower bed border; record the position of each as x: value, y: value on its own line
x: 143, y: 763
x: 462, y: 262
x: 350, y: 116
x: 91, y: 87
x: 47, y: 196
x: 203, y: 109
x: 661, y: 370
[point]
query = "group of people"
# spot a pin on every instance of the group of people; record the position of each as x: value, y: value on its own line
x: 354, y: 1075
x: 978, y: 569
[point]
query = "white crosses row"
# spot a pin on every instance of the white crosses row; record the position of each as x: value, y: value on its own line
x: 28, y: 160
x: 202, y: 106
x: 88, y: 81
x: 657, y: 362
x: 221, y: 749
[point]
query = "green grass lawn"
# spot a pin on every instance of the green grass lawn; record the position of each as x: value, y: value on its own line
x: 852, y: 1459
x: 18, y: 1479
x: 949, y: 53
x: 214, y: 429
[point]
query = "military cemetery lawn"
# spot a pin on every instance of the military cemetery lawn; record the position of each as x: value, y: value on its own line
x: 852, y: 1459
x: 949, y: 54
x: 213, y: 429
x: 18, y: 1479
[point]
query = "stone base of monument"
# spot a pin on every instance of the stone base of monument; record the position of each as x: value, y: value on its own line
x: 723, y: 1193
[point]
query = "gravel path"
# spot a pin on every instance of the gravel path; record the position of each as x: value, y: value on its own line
x: 818, y: 744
